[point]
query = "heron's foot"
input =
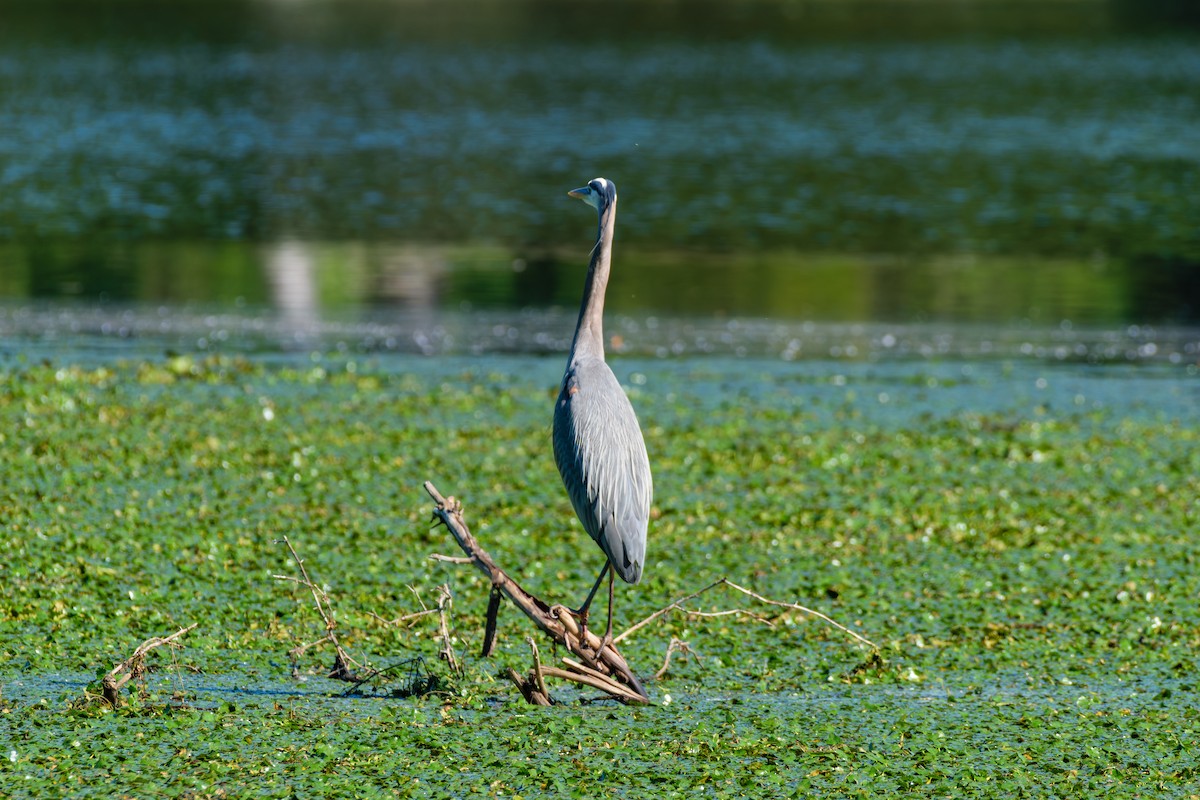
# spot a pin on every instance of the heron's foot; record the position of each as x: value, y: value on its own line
x: 575, y: 622
x: 604, y: 641
x: 583, y: 631
x: 582, y: 616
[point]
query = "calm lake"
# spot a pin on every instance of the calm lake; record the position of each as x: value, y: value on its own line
x: 311, y: 166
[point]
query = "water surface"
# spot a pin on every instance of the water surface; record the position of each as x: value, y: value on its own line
x: 414, y: 154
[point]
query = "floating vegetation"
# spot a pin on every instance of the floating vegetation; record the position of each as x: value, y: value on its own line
x: 1016, y: 536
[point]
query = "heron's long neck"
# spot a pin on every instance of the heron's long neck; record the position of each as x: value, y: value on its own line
x: 589, y: 332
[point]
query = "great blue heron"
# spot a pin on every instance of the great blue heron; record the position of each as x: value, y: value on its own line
x: 598, y: 445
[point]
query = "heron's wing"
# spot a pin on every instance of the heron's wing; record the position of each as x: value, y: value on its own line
x: 601, y: 456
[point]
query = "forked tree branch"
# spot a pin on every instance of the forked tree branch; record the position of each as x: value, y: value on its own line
x: 616, y: 678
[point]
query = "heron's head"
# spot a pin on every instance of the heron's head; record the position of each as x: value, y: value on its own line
x: 600, y: 193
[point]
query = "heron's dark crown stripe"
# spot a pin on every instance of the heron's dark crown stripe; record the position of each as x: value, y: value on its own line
x: 605, y: 189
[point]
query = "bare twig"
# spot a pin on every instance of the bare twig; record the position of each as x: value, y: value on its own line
x: 803, y: 609
x: 291, y: 578
x: 451, y: 559
x: 342, y: 661
x: 676, y: 646
x: 408, y: 620
x: 730, y: 612
x: 417, y: 594
x: 447, y: 651
x: 537, y: 667
x: 676, y: 605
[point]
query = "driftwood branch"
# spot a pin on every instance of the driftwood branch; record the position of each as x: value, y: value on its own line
x: 533, y: 685
x: 134, y: 667
x: 555, y: 620
x: 529, y: 689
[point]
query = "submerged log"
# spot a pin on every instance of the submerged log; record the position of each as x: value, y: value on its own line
x: 600, y: 667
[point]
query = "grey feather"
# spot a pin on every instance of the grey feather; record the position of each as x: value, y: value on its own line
x: 602, y: 458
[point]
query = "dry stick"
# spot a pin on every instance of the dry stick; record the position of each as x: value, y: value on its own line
x: 604, y: 685
x: 529, y: 691
x: 533, y: 687
x: 131, y: 667
x: 341, y: 668
x: 447, y: 651
x: 537, y: 667
x: 676, y: 646
x: 797, y: 607
x: 452, y: 559
x: 554, y: 621
x: 409, y: 618
x: 661, y: 611
x: 730, y: 612
x: 675, y: 605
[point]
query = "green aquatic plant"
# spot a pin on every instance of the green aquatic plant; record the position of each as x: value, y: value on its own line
x: 1025, y: 560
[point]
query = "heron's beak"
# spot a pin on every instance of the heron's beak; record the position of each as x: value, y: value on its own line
x: 581, y: 193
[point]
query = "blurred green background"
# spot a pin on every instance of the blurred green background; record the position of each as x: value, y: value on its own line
x: 899, y: 161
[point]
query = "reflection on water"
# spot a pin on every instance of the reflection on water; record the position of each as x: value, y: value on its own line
x: 293, y: 287
x: 171, y: 153
x: 310, y: 280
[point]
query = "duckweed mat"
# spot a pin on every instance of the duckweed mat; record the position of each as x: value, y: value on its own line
x: 1017, y: 536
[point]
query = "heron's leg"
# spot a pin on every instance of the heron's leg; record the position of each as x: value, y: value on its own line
x: 607, y: 640
x: 582, y: 613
